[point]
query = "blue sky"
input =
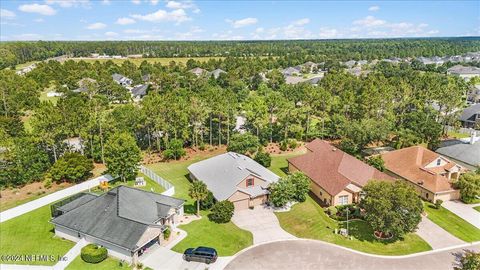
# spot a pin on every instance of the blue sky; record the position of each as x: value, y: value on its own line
x: 234, y: 20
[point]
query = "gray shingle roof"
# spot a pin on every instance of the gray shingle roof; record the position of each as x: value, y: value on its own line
x: 470, y: 111
x: 119, y: 216
x: 464, y: 152
x: 458, y: 69
x: 86, y: 197
x: 224, y: 172
x: 140, y: 90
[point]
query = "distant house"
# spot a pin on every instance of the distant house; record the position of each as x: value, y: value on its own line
x: 236, y: 178
x: 297, y: 79
x: 125, y: 220
x: 465, y: 72
x: 430, y: 173
x: 337, y: 178
x: 291, y: 71
x: 139, y: 91
x: 350, y: 63
x: 464, y: 151
x: 216, y: 73
x: 122, y: 80
x: 146, y: 78
x: 198, y: 71
x: 474, y: 94
x: 310, y: 66
x: 83, y: 85
x: 470, y: 117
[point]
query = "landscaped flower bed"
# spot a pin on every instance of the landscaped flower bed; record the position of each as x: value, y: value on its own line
x: 339, y: 212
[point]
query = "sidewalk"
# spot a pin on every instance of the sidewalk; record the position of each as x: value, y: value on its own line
x: 464, y: 211
x: 50, y: 198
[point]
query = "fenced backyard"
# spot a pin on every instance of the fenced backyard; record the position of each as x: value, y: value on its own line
x: 169, y: 188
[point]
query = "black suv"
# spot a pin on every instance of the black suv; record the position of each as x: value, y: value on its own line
x: 200, y: 254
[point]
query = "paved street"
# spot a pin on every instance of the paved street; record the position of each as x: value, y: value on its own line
x: 306, y: 254
x: 263, y: 224
x: 436, y: 236
x: 464, y: 211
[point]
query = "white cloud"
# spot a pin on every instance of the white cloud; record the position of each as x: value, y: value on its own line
x: 160, y: 15
x: 242, y: 22
x: 369, y: 21
x: 135, y: 31
x: 69, y: 3
x: 326, y: 33
x: 296, y: 29
x: 7, y: 14
x: 125, y: 21
x: 190, y: 35
x: 301, y: 22
x: 374, y: 8
x: 37, y: 8
x: 154, y: 2
x: 136, y: 2
x: 39, y: 20
x: 111, y: 34
x: 96, y: 26
x: 106, y: 2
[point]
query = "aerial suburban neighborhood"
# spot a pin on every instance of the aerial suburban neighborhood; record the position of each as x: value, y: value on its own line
x: 193, y: 135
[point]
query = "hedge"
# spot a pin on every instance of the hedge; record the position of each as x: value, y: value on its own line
x: 92, y: 253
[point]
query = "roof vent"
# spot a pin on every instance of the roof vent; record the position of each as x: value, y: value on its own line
x: 334, y: 149
x: 420, y: 182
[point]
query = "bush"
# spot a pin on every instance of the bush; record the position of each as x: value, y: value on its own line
x: 202, y: 147
x: 47, y: 182
x: 283, y: 145
x: 292, y: 144
x: 174, y: 150
x: 72, y: 167
x: 377, y: 162
x: 470, y: 260
x: 469, y: 185
x: 301, y: 185
x: 243, y: 143
x: 167, y: 233
x: 332, y: 210
x: 208, y: 202
x: 438, y: 203
x: 222, y: 212
x: 282, y: 192
x: 92, y: 253
x: 263, y: 159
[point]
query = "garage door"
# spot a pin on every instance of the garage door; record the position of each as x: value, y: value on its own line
x: 241, y: 205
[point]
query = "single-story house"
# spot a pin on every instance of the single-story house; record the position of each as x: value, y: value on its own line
x: 466, y: 151
x: 139, y: 91
x: 430, y: 173
x: 236, y: 178
x: 337, y: 178
x: 465, y: 72
x: 216, y: 73
x: 470, y: 116
x: 124, y: 220
x: 122, y: 80
x: 290, y: 71
x: 198, y: 71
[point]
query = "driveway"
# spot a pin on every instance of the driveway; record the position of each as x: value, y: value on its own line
x: 464, y: 211
x: 161, y: 258
x: 308, y: 254
x: 263, y: 224
x: 435, y: 235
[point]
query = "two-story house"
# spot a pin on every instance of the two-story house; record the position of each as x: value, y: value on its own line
x: 236, y: 178
x: 431, y: 174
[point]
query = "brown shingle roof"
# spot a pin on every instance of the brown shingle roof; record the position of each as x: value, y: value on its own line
x: 332, y: 169
x: 410, y: 163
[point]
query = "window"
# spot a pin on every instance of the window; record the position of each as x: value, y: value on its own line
x: 438, y: 162
x: 342, y: 200
x: 250, y: 182
x: 321, y: 193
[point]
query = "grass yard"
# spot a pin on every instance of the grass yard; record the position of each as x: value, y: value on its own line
x: 32, y: 234
x: 279, y: 162
x: 477, y: 208
x: 452, y: 223
x: 150, y: 185
x: 308, y: 220
x: 457, y: 135
x: 226, y: 238
x: 108, y: 264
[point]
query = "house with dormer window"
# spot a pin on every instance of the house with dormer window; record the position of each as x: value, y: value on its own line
x: 430, y: 173
x: 236, y: 178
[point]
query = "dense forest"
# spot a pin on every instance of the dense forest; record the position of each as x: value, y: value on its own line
x: 13, y: 53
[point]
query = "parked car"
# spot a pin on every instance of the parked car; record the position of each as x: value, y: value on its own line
x: 200, y: 254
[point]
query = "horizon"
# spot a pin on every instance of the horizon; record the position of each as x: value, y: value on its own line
x: 154, y: 20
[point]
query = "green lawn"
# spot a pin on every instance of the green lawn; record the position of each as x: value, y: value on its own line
x: 226, y: 238
x: 279, y: 163
x: 452, y: 223
x: 308, y: 220
x: 108, y: 264
x: 477, y: 208
x: 457, y: 135
x: 150, y: 185
x: 29, y: 234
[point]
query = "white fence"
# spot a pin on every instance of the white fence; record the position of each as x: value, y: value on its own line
x: 169, y: 188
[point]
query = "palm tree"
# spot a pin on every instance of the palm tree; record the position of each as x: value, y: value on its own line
x: 198, y: 191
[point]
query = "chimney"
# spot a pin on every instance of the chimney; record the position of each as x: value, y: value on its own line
x: 473, y: 137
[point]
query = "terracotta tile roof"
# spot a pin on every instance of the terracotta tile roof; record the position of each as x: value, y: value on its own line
x: 332, y: 169
x: 410, y: 163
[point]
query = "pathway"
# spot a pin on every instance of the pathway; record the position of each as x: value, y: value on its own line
x: 435, y: 235
x: 262, y: 223
x: 50, y: 198
x: 71, y: 255
x: 312, y: 254
x: 464, y: 211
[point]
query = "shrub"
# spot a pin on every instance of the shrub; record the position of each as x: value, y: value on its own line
x: 202, y: 147
x: 72, y: 167
x: 47, y: 182
x: 292, y: 144
x: 174, y: 150
x: 222, y: 212
x: 243, y: 143
x: 301, y: 185
x: 438, y: 203
x: 377, y: 162
x: 470, y: 260
x: 332, y: 210
x: 208, y: 202
x: 282, y: 192
x: 92, y: 253
x: 167, y: 233
x: 469, y: 185
x: 283, y: 145
x: 263, y: 159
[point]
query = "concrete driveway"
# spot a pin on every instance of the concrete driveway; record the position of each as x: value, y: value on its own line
x: 435, y: 235
x: 464, y: 211
x: 161, y: 258
x: 263, y: 224
x: 308, y: 254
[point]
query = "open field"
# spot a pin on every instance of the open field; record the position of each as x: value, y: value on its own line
x: 452, y: 223
x: 308, y: 220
